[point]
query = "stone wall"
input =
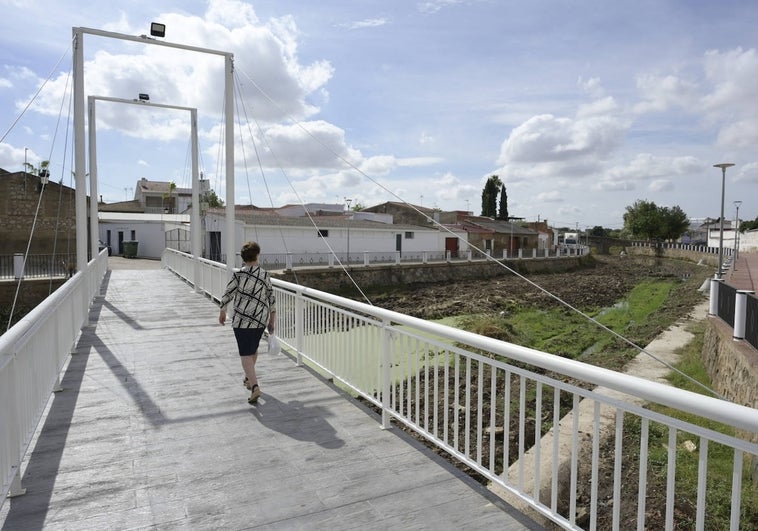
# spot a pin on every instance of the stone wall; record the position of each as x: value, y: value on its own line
x: 680, y: 254
x: 731, y: 365
x: 31, y: 293
x: 333, y: 280
x: 55, y: 223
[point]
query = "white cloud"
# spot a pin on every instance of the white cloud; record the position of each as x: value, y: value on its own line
x: 592, y: 86
x: 648, y: 166
x: 432, y: 6
x: 660, y: 185
x: 732, y: 102
x: 748, y: 173
x: 661, y: 93
x: 366, y: 23
x: 553, y: 196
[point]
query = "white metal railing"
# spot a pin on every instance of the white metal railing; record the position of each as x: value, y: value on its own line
x: 32, y: 355
x: 511, y: 413
x: 288, y: 261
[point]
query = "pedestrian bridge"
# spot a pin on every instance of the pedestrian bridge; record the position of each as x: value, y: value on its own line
x: 149, y: 424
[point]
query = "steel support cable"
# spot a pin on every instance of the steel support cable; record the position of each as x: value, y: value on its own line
x: 302, y: 202
x: 240, y: 102
x: 63, y: 168
x: 42, y: 86
x: 260, y: 167
x: 39, y: 198
x: 501, y: 264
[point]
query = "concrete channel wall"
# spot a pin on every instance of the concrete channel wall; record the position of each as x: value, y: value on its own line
x: 333, y: 279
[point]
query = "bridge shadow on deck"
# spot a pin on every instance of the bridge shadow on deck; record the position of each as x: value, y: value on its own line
x: 153, y: 430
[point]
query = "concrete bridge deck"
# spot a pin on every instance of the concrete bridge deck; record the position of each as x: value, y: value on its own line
x: 153, y: 431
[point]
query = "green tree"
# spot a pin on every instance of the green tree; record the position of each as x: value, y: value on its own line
x: 170, y: 196
x: 489, y: 196
x: 503, y: 209
x: 641, y: 220
x: 42, y: 170
x: 598, y: 231
x: 749, y: 225
x: 674, y: 223
x: 213, y: 200
x: 644, y: 219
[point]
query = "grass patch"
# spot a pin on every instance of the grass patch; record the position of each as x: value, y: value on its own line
x: 565, y: 333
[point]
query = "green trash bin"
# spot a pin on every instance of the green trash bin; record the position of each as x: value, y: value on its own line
x: 130, y: 249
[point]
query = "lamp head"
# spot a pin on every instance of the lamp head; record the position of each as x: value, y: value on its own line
x: 724, y: 165
x: 157, y: 29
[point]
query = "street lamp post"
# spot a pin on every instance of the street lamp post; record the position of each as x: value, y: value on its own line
x: 348, y: 201
x: 723, y: 166
x: 737, y: 232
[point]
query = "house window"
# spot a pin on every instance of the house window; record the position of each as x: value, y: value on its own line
x: 409, y: 235
x: 323, y: 233
x: 134, y: 235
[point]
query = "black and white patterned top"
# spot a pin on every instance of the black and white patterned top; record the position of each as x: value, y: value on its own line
x: 253, y: 295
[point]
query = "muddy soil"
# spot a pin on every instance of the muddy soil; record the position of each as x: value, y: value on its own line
x: 601, y: 285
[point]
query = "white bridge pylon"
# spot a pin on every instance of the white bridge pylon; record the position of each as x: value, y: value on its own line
x: 80, y: 151
x: 194, y: 217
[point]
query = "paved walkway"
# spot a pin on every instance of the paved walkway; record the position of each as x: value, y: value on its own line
x: 153, y: 431
x: 744, y: 272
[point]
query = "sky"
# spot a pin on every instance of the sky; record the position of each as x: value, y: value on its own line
x: 581, y: 108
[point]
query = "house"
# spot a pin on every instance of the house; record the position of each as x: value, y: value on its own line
x: 151, y: 231
x: 498, y: 236
x: 158, y: 197
x: 323, y: 234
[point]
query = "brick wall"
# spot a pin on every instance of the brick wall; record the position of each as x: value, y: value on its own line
x: 56, y: 221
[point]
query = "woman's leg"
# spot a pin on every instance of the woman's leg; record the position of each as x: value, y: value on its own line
x: 248, y: 365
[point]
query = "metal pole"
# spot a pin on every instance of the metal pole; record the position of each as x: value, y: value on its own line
x: 721, y: 223
x: 723, y: 166
x: 79, y: 167
x: 737, y: 233
x: 231, y: 243
x: 195, y: 213
x: 94, y: 227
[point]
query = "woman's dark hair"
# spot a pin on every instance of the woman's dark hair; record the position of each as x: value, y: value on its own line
x: 250, y: 252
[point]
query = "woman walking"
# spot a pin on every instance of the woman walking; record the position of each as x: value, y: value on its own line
x: 254, y: 311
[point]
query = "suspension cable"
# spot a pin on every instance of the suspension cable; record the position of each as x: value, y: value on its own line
x: 302, y: 202
x: 42, y: 86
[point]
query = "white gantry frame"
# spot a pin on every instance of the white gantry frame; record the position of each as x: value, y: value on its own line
x: 194, y: 216
x: 79, y: 148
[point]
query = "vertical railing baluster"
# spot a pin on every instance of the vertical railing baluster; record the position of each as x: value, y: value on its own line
x: 493, y: 417
x: 617, y: 459
x: 734, y: 522
x: 670, y: 479
x: 537, y: 441
x: 506, y: 426
x: 479, y: 413
x: 595, y: 466
x: 574, y: 459
x: 386, y: 346
x: 467, y: 417
x: 521, y: 431
x: 556, y: 441
x: 702, y: 476
x: 642, y: 483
